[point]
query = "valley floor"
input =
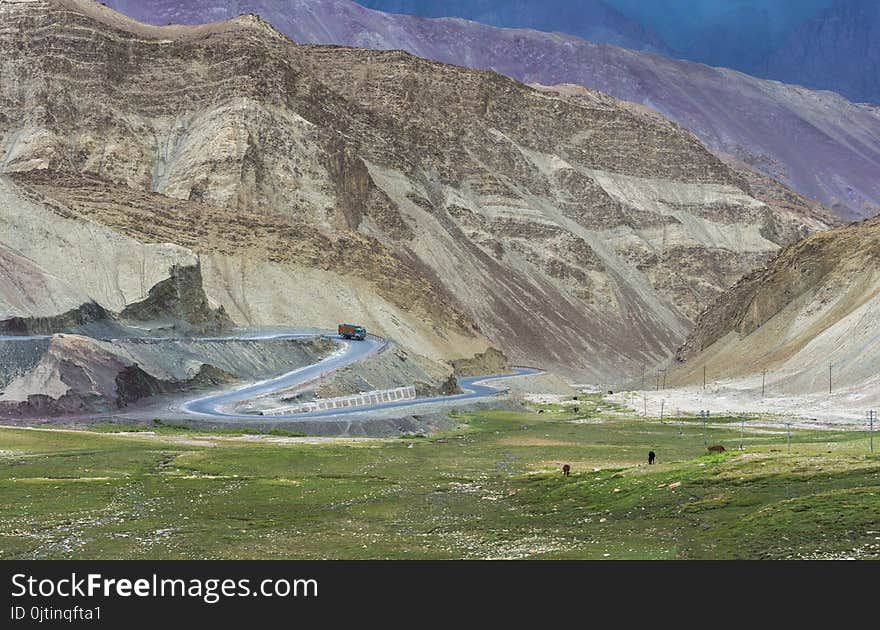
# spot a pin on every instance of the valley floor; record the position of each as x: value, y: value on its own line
x: 844, y: 408
x: 491, y: 488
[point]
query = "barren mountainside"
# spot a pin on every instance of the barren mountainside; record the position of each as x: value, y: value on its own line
x: 817, y: 143
x: 447, y: 208
x: 594, y: 20
x: 73, y: 374
x: 816, y: 304
x: 838, y: 49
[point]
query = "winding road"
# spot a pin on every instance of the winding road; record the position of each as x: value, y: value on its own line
x: 214, y: 405
x: 348, y: 352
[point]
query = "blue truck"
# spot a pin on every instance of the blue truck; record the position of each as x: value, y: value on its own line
x: 347, y: 331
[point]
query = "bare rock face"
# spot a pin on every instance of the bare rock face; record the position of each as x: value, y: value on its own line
x: 181, y: 298
x: 821, y: 52
x: 67, y: 375
x: 815, y: 304
x: 82, y: 315
x: 109, y: 272
x: 75, y: 375
x: 33, y: 301
x: 61, y: 261
x: 448, y: 208
x: 492, y: 361
x: 391, y: 368
x: 817, y: 143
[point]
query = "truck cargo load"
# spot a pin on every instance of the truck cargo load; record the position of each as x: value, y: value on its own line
x: 348, y: 331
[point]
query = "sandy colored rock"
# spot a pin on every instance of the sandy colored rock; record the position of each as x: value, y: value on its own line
x: 492, y: 361
x: 448, y: 208
x: 816, y: 305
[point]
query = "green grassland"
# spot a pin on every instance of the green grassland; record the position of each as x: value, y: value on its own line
x: 491, y: 489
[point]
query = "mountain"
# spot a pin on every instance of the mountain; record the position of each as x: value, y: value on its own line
x: 447, y: 208
x: 74, y: 374
x: 838, y: 49
x: 816, y: 304
x: 742, y: 38
x: 593, y: 20
x: 738, y: 34
x: 817, y: 143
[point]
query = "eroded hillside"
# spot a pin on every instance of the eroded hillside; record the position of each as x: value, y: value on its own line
x: 815, y: 306
x: 818, y: 143
x: 447, y: 208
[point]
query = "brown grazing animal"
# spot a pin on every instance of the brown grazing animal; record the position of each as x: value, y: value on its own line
x: 566, y: 469
x: 717, y: 448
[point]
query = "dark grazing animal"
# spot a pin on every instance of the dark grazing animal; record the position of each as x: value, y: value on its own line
x: 566, y: 469
x: 651, y: 457
x: 716, y: 448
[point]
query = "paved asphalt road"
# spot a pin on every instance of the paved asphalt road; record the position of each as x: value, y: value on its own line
x: 211, y: 405
x: 473, y: 388
x: 349, y: 352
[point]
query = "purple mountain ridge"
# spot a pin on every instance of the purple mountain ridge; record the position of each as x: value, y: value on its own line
x: 838, y: 49
x: 593, y: 20
x: 818, y: 143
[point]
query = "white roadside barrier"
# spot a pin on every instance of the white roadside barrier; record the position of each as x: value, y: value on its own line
x: 346, y: 402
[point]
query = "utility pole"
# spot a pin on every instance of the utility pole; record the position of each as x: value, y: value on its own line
x: 872, y: 415
x: 763, y: 382
x: 704, y: 377
x: 662, y: 403
x: 659, y: 372
x: 643, y: 376
x: 788, y: 433
x: 742, y: 428
x: 829, y: 378
x: 646, y: 406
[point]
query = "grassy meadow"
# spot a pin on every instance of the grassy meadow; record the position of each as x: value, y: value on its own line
x: 493, y: 488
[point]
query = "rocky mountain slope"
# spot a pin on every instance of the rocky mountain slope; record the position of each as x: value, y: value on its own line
x: 816, y: 143
x: 816, y: 304
x: 27, y: 291
x: 594, y: 20
x: 738, y: 34
x: 60, y: 273
x: 73, y: 374
x: 447, y: 208
x: 838, y: 49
